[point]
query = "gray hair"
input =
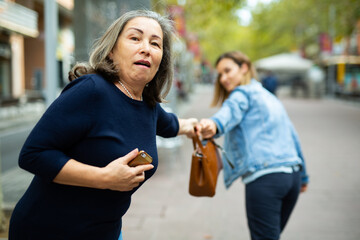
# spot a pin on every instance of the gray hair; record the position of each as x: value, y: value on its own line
x: 100, y: 63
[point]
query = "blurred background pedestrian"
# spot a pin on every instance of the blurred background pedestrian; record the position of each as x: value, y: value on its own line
x: 270, y: 82
x: 298, y: 82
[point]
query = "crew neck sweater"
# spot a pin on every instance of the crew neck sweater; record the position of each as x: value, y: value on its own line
x: 93, y: 122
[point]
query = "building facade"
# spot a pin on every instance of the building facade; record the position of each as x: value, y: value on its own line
x: 22, y: 41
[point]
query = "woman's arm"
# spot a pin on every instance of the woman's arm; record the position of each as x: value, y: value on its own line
x: 169, y: 125
x: 62, y: 126
x: 187, y: 127
x: 228, y: 116
x: 117, y: 175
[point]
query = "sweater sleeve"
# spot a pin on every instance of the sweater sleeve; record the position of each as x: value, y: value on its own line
x: 167, y: 123
x: 62, y: 126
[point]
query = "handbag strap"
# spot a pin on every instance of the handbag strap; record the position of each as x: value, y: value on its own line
x: 197, y: 141
x: 224, y: 154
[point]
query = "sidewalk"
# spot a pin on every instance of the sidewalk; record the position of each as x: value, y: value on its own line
x: 15, y: 181
x: 20, y: 115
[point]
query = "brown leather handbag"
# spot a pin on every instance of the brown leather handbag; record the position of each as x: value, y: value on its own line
x: 205, y: 167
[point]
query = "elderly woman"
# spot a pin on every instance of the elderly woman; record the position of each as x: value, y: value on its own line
x: 80, y: 149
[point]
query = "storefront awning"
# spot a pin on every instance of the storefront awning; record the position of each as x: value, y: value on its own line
x: 289, y: 62
x: 342, y: 60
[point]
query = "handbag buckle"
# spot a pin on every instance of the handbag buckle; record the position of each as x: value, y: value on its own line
x: 198, y: 154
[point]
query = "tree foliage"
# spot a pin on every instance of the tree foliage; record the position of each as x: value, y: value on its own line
x: 288, y: 25
x: 215, y: 24
x: 280, y: 26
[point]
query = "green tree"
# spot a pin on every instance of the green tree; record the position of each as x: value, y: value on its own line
x: 280, y: 26
x: 288, y: 25
x: 215, y: 23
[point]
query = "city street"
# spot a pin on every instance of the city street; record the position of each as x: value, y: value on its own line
x: 163, y: 209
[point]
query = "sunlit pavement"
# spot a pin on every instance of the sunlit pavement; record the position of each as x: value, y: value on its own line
x: 163, y: 210
x: 329, y: 131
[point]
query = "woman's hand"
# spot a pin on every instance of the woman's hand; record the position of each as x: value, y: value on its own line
x: 187, y: 127
x: 207, y: 128
x: 120, y: 177
x: 117, y: 175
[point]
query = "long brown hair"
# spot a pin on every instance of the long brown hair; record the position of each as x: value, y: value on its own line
x: 100, y: 63
x: 220, y: 93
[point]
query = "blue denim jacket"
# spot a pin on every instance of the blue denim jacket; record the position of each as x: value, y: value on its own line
x: 258, y: 133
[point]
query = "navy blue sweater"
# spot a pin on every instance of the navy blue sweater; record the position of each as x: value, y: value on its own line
x: 93, y: 122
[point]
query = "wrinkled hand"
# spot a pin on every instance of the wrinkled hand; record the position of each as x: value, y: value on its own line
x: 121, y: 177
x: 207, y: 128
x: 187, y: 126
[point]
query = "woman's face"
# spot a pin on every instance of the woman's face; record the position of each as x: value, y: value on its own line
x: 138, y: 50
x: 230, y: 73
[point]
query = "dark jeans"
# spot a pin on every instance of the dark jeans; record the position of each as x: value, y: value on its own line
x: 270, y: 200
